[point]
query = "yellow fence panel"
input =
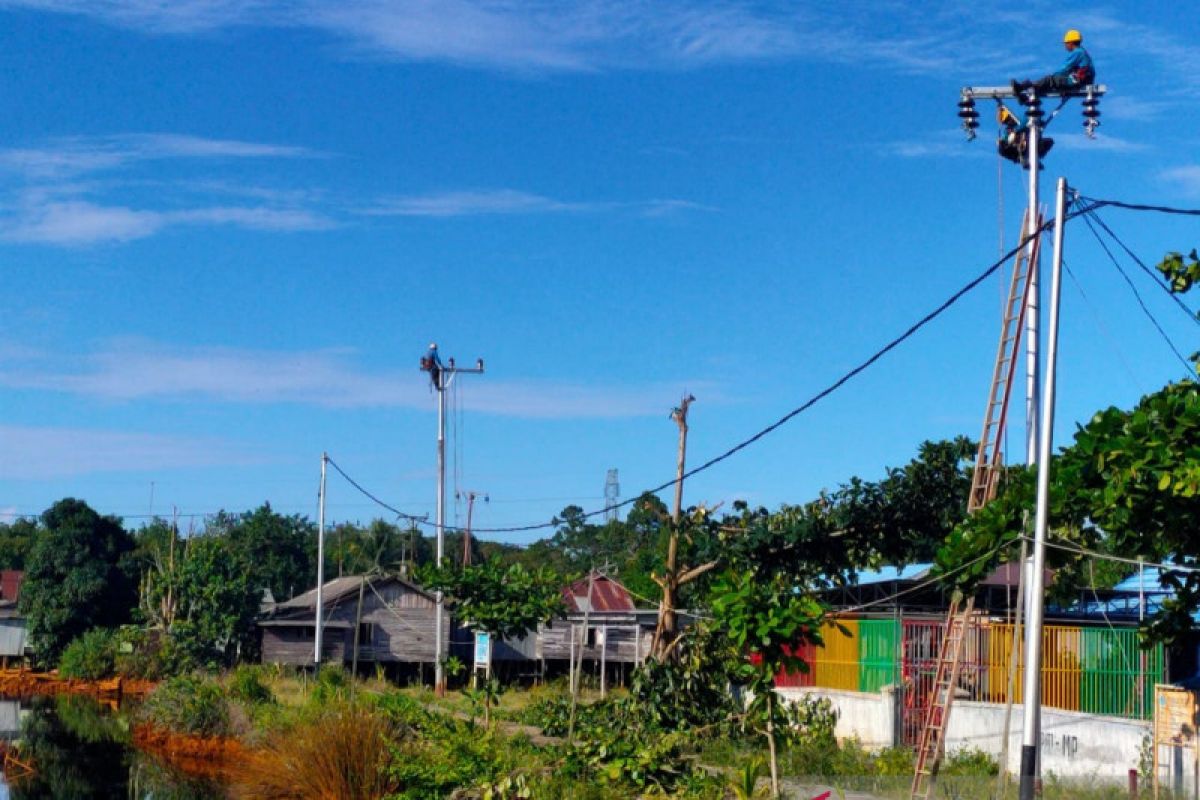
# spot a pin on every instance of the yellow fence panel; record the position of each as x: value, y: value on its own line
x: 837, y: 661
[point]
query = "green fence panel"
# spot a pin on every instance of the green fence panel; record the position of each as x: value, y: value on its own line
x: 878, y: 650
x: 1114, y: 669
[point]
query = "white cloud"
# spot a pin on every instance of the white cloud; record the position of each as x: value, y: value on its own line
x: 472, y: 203
x: 512, y: 202
x: 35, y: 453
x: 70, y: 156
x: 135, y: 370
x: 1110, y: 144
x: 1186, y: 178
x: 583, y: 35
x: 79, y: 222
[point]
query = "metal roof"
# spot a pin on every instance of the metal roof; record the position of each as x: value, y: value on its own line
x: 338, y: 588
x: 607, y: 596
x: 910, y: 572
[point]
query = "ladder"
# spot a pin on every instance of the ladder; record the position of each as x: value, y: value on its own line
x: 989, y: 462
x: 933, y: 735
x: 989, y: 457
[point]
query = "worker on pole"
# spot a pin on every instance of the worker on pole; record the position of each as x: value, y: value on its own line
x: 1078, y: 70
x: 431, y: 362
x: 1013, y: 142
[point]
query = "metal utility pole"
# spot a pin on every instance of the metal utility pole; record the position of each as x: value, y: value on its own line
x: 317, y: 634
x: 1031, y: 724
x: 466, y: 553
x: 442, y: 376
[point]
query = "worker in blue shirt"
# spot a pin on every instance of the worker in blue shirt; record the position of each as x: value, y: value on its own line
x: 431, y: 362
x: 1075, y: 72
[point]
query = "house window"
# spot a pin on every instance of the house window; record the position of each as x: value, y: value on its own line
x: 366, y: 633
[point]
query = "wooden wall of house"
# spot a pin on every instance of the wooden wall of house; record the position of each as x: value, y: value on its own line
x: 623, y: 640
x: 294, y: 645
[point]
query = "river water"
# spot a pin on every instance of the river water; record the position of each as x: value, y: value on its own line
x: 80, y: 749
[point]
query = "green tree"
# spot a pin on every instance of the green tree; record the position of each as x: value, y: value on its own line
x: 217, y: 601
x: 16, y: 540
x: 504, y: 602
x: 766, y: 619
x: 77, y: 577
x: 279, y: 551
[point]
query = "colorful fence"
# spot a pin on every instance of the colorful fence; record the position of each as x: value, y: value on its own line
x: 1096, y: 670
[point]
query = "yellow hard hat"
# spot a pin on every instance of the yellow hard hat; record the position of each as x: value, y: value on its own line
x: 1072, y: 36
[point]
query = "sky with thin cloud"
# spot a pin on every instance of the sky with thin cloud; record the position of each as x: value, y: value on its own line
x: 229, y: 228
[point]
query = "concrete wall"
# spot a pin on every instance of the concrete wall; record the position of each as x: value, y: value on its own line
x: 1074, y: 745
x: 866, y: 716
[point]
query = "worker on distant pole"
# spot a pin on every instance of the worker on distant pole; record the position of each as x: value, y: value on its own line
x: 1075, y: 72
x: 431, y: 362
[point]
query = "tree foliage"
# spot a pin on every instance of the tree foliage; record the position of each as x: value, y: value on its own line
x: 1129, y: 484
x: 77, y: 578
x: 503, y: 601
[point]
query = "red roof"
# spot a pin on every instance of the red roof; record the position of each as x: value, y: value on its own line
x: 10, y: 584
x: 607, y: 595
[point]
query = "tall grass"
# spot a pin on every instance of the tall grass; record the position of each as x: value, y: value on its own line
x: 340, y: 753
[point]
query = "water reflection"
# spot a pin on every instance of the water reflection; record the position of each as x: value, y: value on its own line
x: 81, y: 749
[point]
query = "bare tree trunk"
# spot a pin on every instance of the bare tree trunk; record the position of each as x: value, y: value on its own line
x: 664, y: 630
x: 771, y: 746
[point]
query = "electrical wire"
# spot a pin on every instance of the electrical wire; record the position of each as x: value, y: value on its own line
x: 1136, y: 294
x: 1099, y: 321
x: 924, y: 584
x: 1141, y: 264
x: 1073, y: 548
x: 401, y: 514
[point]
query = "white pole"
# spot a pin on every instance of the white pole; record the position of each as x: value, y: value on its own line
x: 439, y: 678
x: 1031, y: 724
x: 320, y: 565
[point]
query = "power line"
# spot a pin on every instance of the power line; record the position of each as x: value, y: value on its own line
x: 1157, y: 282
x: 812, y: 401
x: 1137, y: 295
x: 1097, y: 203
x: 410, y: 517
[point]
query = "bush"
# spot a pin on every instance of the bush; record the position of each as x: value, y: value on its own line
x: 90, y: 656
x: 188, y: 704
x: 342, y: 752
x: 246, y: 686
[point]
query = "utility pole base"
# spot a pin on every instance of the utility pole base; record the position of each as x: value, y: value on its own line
x: 1028, y: 772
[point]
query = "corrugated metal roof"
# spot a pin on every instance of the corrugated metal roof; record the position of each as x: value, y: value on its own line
x: 911, y: 572
x: 607, y: 595
x: 338, y: 588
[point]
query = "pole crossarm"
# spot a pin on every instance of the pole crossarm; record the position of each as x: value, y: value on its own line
x: 1006, y: 92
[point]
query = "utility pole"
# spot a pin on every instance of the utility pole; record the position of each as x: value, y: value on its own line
x: 1031, y: 724
x: 317, y: 634
x: 442, y: 376
x: 466, y: 553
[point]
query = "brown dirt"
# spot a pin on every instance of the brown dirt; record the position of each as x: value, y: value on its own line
x: 23, y: 683
x: 205, y: 756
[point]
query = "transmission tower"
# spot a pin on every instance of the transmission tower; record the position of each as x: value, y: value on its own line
x: 612, y: 496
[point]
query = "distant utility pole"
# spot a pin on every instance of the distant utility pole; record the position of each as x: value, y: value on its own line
x: 470, y: 495
x: 442, y: 375
x: 320, y: 565
x: 612, y: 496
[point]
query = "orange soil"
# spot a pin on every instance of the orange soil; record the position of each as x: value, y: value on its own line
x: 208, y: 756
x: 22, y: 683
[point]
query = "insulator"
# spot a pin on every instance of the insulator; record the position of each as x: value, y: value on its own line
x: 1091, y: 113
x: 966, y: 102
x: 969, y: 114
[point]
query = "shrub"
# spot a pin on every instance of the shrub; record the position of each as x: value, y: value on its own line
x: 90, y: 655
x: 332, y: 683
x: 341, y: 752
x: 246, y: 686
x: 188, y: 704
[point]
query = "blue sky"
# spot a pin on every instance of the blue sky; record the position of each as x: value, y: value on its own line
x: 228, y: 230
